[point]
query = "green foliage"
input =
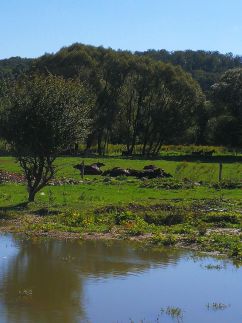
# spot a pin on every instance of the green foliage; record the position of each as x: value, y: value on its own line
x: 75, y: 218
x: 137, y: 99
x: 173, y: 217
x: 40, y: 117
x: 227, y: 114
x: 218, y: 217
x: 164, y: 239
x: 137, y: 227
x: 224, y: 243
x: 205, y: 66
x: 227, y: 184
x: 121, y: 217
x: 14, y: 67
x: 146, y: 99
x: 43, y: 115
x: 167, y: 184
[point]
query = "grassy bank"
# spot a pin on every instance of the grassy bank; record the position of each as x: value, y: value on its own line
x: 190, y: 209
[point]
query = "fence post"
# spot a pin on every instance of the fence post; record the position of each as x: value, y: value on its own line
x: 220, y: 171
x: 82, y: 169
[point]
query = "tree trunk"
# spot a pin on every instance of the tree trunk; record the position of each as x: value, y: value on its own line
x: 32, y: 194
x: 99, y: 144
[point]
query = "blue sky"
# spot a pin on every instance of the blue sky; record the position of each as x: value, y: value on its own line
x: 29, y: 28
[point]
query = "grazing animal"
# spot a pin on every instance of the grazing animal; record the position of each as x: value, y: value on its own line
x: 153, y: 167
x: 153, y: 173
x: 93, y: 169
x: 98, y: 164
x: 133, y: 172
x: 116, y: 171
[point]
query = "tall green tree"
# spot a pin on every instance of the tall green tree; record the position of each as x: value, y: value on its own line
x: 40, y: 117
x: 159, y: 102
x: 226, y: 123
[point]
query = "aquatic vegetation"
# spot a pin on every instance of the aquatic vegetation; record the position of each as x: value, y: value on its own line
x: 173, y: 312
x: 213, y: 267
x: 217, y: 306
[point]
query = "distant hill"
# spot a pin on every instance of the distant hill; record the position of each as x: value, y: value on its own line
x: 206, y: 67
x: 14, y: 66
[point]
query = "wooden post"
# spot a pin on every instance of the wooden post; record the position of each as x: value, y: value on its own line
x: 82, y: 169
x: 220, y: 171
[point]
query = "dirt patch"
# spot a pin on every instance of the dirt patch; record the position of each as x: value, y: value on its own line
x: 7, y: 177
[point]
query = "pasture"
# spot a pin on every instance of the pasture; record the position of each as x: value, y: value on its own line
x: 190, y: 209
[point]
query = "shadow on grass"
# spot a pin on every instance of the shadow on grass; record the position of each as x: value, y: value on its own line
x: 16, y: 207
x: 45, y: 212
x: 175, y: 158
x: 20, y: 207
x: 8, y: 212
x: 204, y: 159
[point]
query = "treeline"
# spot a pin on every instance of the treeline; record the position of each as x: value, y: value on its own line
x: 206, y: 67
x: 138, y: 100
x: 14, y: 67
x: 143, y: 99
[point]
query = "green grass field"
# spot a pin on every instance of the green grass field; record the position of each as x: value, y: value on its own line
x: 180, y: 210
x: 96, y: 194
x: 205, y: 171
x: 94, y: 191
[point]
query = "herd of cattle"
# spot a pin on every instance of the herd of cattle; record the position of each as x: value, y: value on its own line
x: 149, y: 171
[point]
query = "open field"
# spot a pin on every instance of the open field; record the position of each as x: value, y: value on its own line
x: 180, y: 167
x: 190, y: 209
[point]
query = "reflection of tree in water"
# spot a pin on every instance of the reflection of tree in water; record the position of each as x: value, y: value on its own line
x: 56, y: 287
x: 55, y: 272
x: 115, y: 258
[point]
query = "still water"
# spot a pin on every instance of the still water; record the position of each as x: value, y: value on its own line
x: 48, y: 281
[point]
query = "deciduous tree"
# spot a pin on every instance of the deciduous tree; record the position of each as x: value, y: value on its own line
x: 41, y: 117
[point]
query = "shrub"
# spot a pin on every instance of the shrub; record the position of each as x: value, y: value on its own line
x: 167, y: 184
x: 164, y: 239
x: 215, y: 217
x: 124, y: 216
x: 76, y: 219
x: 138, y: 227
x: 227, y: 184
x: 166, y: 218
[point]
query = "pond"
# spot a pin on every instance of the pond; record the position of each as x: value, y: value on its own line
x: 46, y: 280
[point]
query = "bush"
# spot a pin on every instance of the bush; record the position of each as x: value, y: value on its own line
x: 76, y: 219
x: 138, y: 227
x: 164, y: 240
x: 167, y: 184
x: 166, y: 218
x: 227, y: 184
x: 227, y: 217
x: 124, y: 216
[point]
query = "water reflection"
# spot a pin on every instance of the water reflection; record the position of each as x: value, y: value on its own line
x: 42, y: 281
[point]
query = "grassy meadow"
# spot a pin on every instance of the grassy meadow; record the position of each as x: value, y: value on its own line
x: 96, y: 191
x: 191, y: 208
